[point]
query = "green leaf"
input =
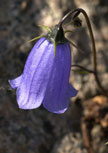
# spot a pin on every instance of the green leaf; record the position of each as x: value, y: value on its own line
x: 106, y: 143
x: 45, y: 27
x: 36, y: 38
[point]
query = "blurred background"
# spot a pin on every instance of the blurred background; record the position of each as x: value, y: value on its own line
x: 83, y: 128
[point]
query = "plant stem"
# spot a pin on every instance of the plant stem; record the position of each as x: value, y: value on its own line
x: 94, y: 53
x: 76, y: 12
x: 81, y: 67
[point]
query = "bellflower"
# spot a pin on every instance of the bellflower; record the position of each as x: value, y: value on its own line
x: 45, y: 79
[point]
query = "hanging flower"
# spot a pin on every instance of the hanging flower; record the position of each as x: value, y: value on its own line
x: 45, y: 79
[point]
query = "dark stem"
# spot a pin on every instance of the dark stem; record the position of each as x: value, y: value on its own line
x: 76, y: 13
x: 94, y: 53
x: 81, y: 67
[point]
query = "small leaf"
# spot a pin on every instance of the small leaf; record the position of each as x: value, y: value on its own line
x: 68, y: 31
x: 106, y: 143
x: 45, y: 27
x: 36, y: 38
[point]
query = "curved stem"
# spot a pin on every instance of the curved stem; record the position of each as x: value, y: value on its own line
x: 76, y: 12
x: 94, y: 53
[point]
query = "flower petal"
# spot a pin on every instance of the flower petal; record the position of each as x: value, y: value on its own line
x: 57, y: 98
x: 15, y: 82
x: 72, y: 91
x: 35, y: 76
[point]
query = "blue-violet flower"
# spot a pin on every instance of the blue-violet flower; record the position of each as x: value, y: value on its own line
x: 45, y: 79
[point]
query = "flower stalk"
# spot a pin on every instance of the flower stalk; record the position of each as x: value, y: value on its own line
x: 83, y: 68
x: 75, y: 13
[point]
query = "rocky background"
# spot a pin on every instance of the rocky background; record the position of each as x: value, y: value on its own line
x: 83, y: 128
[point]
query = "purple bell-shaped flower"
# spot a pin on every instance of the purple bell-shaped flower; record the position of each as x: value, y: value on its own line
x: 45, y: 79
